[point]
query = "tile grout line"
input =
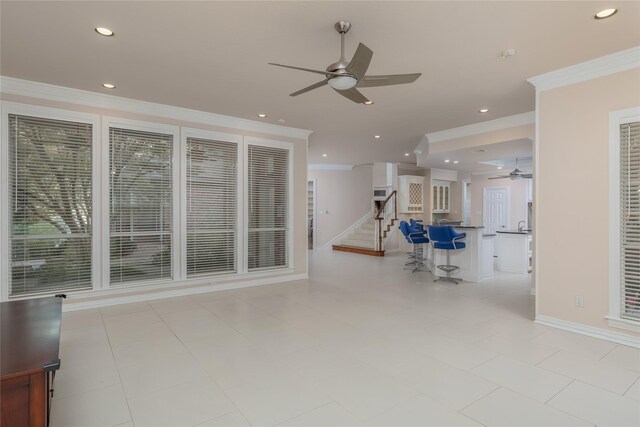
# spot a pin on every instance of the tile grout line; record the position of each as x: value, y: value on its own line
x: 608, y: 352
x: 629, y: 388
x: 126, y: 399
x: 546, y: 358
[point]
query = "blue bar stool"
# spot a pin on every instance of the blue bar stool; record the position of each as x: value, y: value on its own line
x: 445, y: 238
x: 418, y: 239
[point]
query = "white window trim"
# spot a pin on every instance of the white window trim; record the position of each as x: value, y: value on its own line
x: 176, y: 249
x: 5, y: 193
x: 213, y: 136
x: 616, y: 118
x: 100, y: 231
x: 250, y: 140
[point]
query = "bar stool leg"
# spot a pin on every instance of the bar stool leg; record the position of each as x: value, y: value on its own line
x: 448, y: 268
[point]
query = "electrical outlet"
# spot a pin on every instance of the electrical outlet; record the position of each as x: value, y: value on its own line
x: 579, y: 301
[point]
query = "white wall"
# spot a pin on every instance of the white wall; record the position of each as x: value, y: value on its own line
x: 343, y: 197
x: 517, y: 198
x: 573, y: 143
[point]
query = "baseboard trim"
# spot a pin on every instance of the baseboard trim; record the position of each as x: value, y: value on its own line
x: 80, y: 304
x: 591, y: 331
x: 357, y: 250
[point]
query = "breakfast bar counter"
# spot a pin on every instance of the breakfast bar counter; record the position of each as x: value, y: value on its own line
x: 475, y: 260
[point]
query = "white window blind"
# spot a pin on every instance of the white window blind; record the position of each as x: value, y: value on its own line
x: 630, y: 219
x: 51, y: 200
x: 268, y: 204
x: 140, y: 210
x: 212, y: 193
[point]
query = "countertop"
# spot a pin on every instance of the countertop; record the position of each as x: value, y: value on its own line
x: 454, y: 225
x: 523, y: 232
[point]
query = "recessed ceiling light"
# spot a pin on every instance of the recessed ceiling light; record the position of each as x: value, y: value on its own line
x: 368, y: 102
x: 455, y: 161
x: 603, y: 14
x: 376, y: 136
x: 499, y: 167
x: 447, y: 161
x: 324, y: 155
x: 407, y: 154
x: 103, y: 31
x: 483, y: 110
x: 262, y: 116
x: 108, y: 85
x: 281, y: 120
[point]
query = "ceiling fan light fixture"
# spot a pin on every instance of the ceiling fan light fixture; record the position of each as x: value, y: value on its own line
x: 342, y: 82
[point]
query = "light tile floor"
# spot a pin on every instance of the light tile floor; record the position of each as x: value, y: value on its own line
x: 362, y: 342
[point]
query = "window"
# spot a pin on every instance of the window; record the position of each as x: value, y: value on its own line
x: 140, y: 205
x: 212, y: 203
x: 630, y: 220
x: 268, y: 207
x: 624, y: 219
x: 50, y: 212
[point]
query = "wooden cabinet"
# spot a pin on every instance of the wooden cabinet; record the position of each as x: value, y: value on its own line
x: 30, y: 344
x: 441, y: 194
x: 410, y: 194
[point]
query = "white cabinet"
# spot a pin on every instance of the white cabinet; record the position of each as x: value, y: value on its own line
x: 441, y: 194
x: 410, y: 193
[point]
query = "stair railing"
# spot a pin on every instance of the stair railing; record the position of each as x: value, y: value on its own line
x: 386, y: 215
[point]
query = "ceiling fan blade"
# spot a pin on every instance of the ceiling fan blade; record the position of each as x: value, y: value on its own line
x: 360, y: 61
x: 353, y: 94
x: 388, y: 80
x: 500, y: 177
x: 527, y: 175
x: 324, y: 73
x: 308, y: 88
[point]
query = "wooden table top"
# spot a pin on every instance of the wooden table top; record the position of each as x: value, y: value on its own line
x: 30, y: 335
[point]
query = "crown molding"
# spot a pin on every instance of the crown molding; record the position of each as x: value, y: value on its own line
x: 599, y: 67
x: 328, y: 167
x: 483, y: 127
x: 13, y: 86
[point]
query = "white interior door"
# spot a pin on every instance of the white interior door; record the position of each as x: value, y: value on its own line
x: 495, y: 209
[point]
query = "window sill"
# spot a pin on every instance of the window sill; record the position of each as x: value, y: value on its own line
x: 628, y: 325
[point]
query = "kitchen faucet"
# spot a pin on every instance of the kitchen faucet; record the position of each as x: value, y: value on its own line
x: 521, y: 227
x: 443, y: 221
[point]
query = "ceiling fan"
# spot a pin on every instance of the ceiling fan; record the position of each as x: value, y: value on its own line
x: 514, y: 174
x: 345, y: 77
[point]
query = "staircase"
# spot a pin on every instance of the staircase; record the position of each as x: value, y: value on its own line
x: 369, y: 237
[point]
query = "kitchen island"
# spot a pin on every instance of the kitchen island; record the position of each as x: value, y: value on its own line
x: 514, y: 251
x: 475, y: 260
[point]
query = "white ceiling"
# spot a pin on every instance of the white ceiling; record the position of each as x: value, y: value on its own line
x: 472, y: 160
x: 212, y: 56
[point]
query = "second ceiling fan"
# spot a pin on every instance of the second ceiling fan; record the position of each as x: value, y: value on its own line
x: 514, y: 174
x: 346, y: 77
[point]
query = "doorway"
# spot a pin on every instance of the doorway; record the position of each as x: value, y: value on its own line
x: 466, y: 201
x: 311, y: 214
x: 495, y: 209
